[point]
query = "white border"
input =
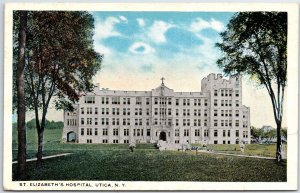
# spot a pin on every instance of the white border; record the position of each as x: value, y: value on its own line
x: 292, y: 96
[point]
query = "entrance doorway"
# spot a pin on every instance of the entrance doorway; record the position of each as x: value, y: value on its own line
x: 163, y: 136
x: 71, y: 136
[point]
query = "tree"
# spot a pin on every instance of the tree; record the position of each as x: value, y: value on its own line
x: 255, y: 43
x: 20, y: 83
x: 60, y: 63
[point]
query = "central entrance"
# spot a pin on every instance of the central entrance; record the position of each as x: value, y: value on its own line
x: 163, y: 136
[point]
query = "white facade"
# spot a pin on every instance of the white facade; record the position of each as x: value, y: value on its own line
x: 215, y: 115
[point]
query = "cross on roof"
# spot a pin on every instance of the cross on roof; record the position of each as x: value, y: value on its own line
x: 162, y: 80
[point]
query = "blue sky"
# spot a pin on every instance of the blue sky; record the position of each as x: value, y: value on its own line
x: 160, y: 43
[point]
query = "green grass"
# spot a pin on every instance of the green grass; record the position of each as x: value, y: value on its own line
x: 116, y: 162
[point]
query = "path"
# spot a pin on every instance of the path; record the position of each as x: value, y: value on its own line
x: 238, y: 155
x: 46, y: 157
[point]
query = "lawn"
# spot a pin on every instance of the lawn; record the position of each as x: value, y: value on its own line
x: 116, y: 162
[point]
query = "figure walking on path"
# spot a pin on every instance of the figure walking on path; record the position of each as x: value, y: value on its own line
x: 132, y: 146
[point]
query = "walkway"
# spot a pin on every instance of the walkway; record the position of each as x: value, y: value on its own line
x: 238, y: 155
x: 46, y: 157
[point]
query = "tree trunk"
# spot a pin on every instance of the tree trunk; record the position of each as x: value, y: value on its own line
x: 279, y: 144
x: 39, y: 162
x: 21, y: 111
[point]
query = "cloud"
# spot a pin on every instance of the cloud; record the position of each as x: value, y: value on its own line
x: 157, y: 31
x: 141, y: 48
x: 124, y: 19
x: 200, y: 24
x: 141, y: 22
x: 104, y: 29
x: 102, y: 49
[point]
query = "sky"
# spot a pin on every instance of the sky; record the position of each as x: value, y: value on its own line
x: 141, y: 47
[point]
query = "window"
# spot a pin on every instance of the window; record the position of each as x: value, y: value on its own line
x: 89, y: 131
x: 82, y: 110
x: 115, y: 132
x: 176, y: 122
x: 237, y: 93
x: 215, y: 92
x: 188, y: 102
x: 205, y: 112
x: 222, y: 123
x: 140, y: 111
x: 89, y: 110
x: 169, y: 101
x: 128, y: 121
x: 126, y: 132
x: 215, y: 113
x: 104, y: 141
x: 96, y: 111
x: 113, y: 111
x: 224, y: 133
x: 237, y: 133
x: 155, y: 101
x: 177, y: 102
x: 82, y: 131
x: 128, y: 101
x: 96, y: 121
x: 148, y: 132
x: 184, y: 122
x: 215, y: 141
x: 228, y: 142
x: 147, y: 101
x: 176, y: 141
x: 96, y: 131
x: 236, y: 103
x: 205, y: 102
x: 136, y: 122
x: 89, y: 99
x: 126, y: 141
x: 115, y: 100
x: 215, y: 133
x: 147, y: 111
x: 156, y: 111
x: 237, y: 113
x: 195, y: 122
x: 188, y: 122
x: 124, y: 101
x: 186, y: 132
x: 195, y: 102
x: 140, y: 122
x: 237, y: 123
x: 215, y: 123
x: 107, y: 111
x: 245, y: 134
x: 177, y: 112
x: 205, y: 122
x: 199, y: 122
x: 228, y: 133
x: 107, y: 100
x: 138, y: 100
x: 82, y: 121
x: 197, y: 132
x: 199, y: 102
x: 128, y: 111
x: 105, y: 132
x: 169, y: 112
x: 176, y: 132
x: 184, y: 102
x: 102, y: 100
x: 89, y: 141
x: 115, y: 141
x: 215, y: 102
x: 205, y: 133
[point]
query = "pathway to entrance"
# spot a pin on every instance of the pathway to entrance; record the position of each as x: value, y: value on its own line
x: 46, y: 157
x: 237, y: 155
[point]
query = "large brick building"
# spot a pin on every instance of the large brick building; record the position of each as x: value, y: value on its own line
x: 215, y: 115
